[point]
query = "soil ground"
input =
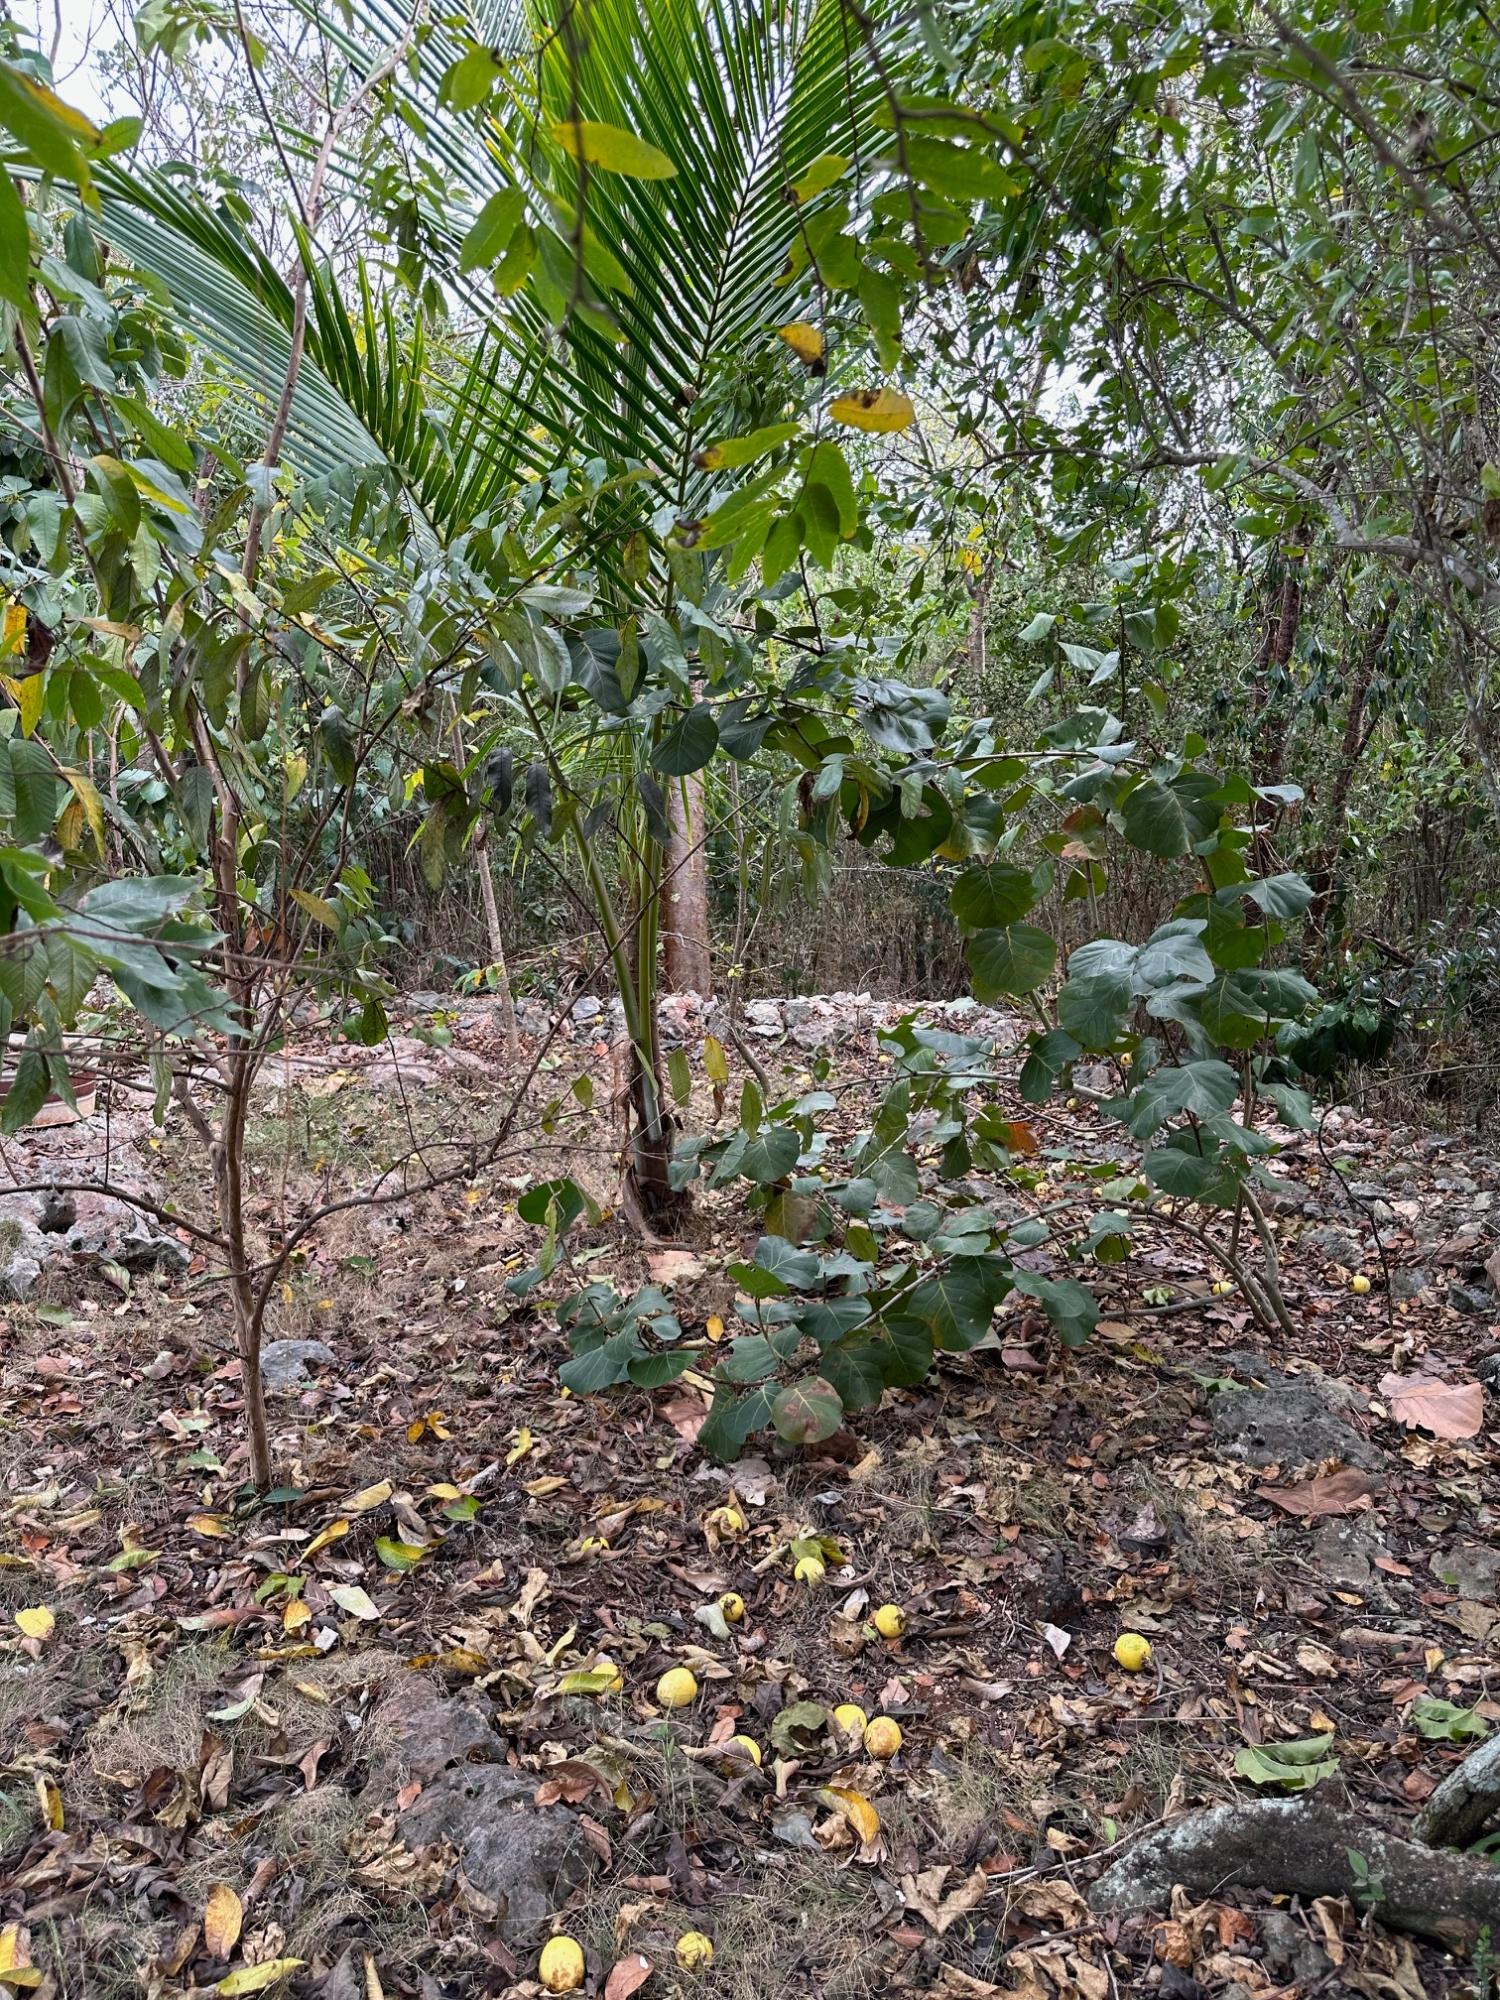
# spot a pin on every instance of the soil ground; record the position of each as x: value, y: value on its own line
x: 198, y: 1713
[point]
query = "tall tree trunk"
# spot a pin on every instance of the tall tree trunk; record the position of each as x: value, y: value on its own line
x: 1356, y: 736
x: 687, y: 952
x: 496, y: 942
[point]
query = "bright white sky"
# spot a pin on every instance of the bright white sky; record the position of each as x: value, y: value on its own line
x: 75, y: 27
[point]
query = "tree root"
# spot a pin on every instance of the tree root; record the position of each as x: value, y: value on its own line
x: 1299, y: 1847
x: 1467, y: 1798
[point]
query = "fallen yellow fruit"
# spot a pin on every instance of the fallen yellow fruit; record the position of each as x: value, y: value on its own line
x: 694, y: 1951
x: 732, y: 1610
x: 1360, y: 1284
x: 1132, y: 1651
x: 605, y: 1665
x: 810, y: 1569
x: 1221, y: 1288
x: 748, y: 1745
x: 890, y: 1621
x: 560, y: 1967
x: 727, y: 1520
x: 883, y: 1737
x: 851, y: 1718
x: 676, y: 1688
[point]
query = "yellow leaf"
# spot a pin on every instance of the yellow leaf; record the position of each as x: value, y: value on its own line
x: 873, y: 410
x: 856, y: 1809
x: 373, y: 1988
x: 370, y: 1496
x: 357, y: 1602
x: 212, y: 1525
x: 317, y: 907
x: 14, y: 1958
x: 713, y: 1326
x: 521, y: 1446
x: 49, y: 1798
x: 86, y: 795
x: 13, y: 632
x: 805, y: 341
x: 295, y: 1616
x: 36, y: 1621
x: 335, y: 1531
x: 540, y: 1488
x: 256, y: 1978
x: 223, y: 1916
x: 27, y: 696
x: 612, y: 148
x: 442, y: 1490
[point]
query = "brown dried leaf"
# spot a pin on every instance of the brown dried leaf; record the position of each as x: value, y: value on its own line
x: 223, y: 1915
x: 1446, y: 1409
x: 1346, y: 1491
x: 627, y: 1976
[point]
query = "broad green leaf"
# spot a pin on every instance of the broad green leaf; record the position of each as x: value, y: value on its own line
x: 612, y: 148
x: 489, y: 235
x: 730, y: 453
x: 1015, y: 959
x: 1291, y: 1767
x: 807, y: 1411
x: 689, y: 744
x: 997, y: 894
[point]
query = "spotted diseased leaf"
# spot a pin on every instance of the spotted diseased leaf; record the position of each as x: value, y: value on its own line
x: 805, y: 341
x: 873, y: 410
x: 808, y: 1411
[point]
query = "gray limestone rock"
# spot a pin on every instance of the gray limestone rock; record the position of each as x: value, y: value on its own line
x: 284, y: 1363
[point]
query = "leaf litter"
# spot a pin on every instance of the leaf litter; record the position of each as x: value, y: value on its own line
x: 191, y: 1679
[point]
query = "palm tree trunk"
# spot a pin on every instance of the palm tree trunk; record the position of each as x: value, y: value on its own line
x: 498, y: 966
x: 686, y: 947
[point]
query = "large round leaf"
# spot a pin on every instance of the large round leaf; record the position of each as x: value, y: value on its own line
x: 999, y: 893
x: 807, y: 1411
x: 1018, y: 958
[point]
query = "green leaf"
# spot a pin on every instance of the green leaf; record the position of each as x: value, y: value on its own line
x: 998, y: 893
x: 680, y: 1075
x: 28, y: 1092
x: 823, y: 172
x: 1444, y: 1722
x: 490, y: 234
x: 1291, y: 1767
x: 1015, y: 959
x: 689, y: 744
x: 959, y: 1303
x: 612, y: 148
x: 807, y: 1411
x: 15, y: 246
x: 794, y: 1268
x: 1095, y: 1008
x: 771, y: 1155
x: 1168, y: 820
x: 730, y: 453
x: 1179, y: 1168
x: 1071, y: 1307
x: 50, y: 130
x: 1202, y: 1088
